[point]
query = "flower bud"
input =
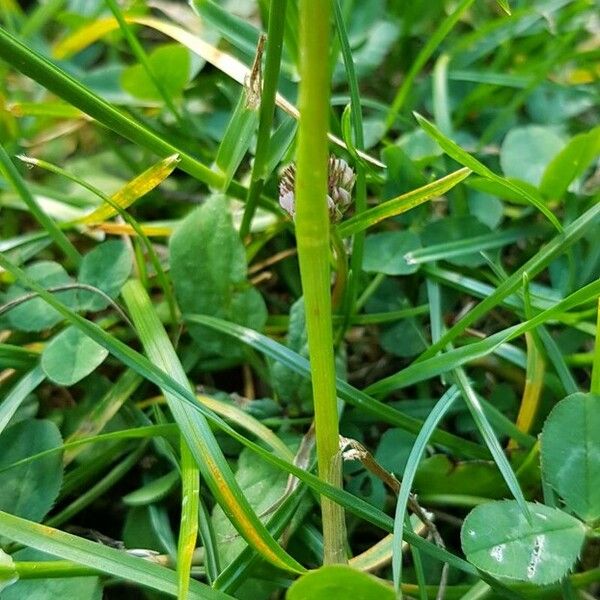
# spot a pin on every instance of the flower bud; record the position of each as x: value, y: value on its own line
x: 340, y: 181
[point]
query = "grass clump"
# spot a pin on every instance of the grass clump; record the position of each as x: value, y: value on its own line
x: 299, y: 299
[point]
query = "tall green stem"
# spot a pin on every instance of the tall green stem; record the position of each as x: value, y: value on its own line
x: 312, y: 234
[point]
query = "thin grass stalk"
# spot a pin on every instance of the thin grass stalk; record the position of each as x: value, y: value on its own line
x: 275, y: 33
x: 12, y: 175
x: 416, y: 453
x: 312, y: 234
x: 361, y: 183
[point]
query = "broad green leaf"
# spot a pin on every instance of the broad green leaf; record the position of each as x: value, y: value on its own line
x: 107, y: 268
x: 386, y: 252
x: 486, y: 207
x: 570, y: 453
x: 406, y: 338
x: 526, y: 152
x: 453, y: 150
x: 51, y: 588
x: 35, y: 314
x: 339, y: 581
x: 208, y: 269
x: 401, y: 204
x: 570, y: 163
x: 30, y: 491
x: 497, y: 539
x: 133, y: 190
x: 291, y: 388
x: 71, y: 356
x: 170, y: 63
x: 198, y: 435
x: 100, y: 557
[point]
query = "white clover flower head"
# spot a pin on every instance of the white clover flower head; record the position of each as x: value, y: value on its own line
x: 340, y: 181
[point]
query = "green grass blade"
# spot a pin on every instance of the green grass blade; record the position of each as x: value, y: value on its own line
x: 276, y: 28
x: 12, y: 175
x: 209, y: 542
x: 117, y: 203
x: 416, y: 453
x: 237, y: 138
x: 115, y: 563
x: 16, y: 357
x: 133, y: 190
x: 401, y: 204
x: 473, y: 245
x: 344, y: 390
x: 197, y: 433
x: 360, y: 187
x: 139, y: 433
x: 98, y: 489
x: 18, y: 394
x: 559, y: 244
x: 487, y: 432
x: 453, y: 150
x: 558, y: 361
x: 233, y: 575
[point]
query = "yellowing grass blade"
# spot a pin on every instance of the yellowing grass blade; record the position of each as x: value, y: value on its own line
x: 226, y: 63
x: 198, y: 435
x: 125, y: 229
x: 134, y: 189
